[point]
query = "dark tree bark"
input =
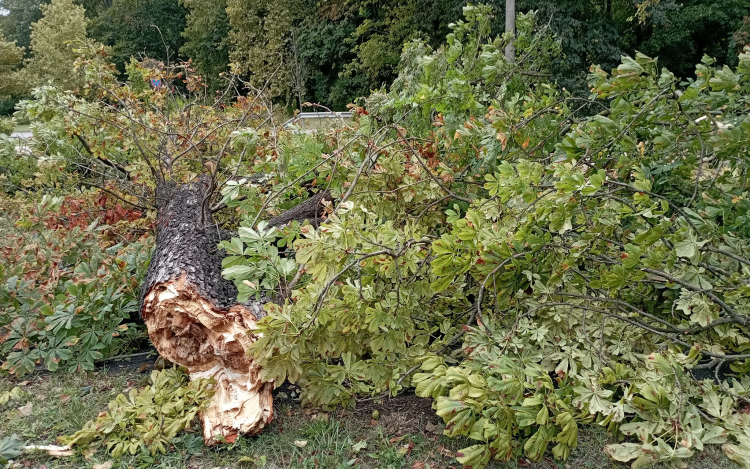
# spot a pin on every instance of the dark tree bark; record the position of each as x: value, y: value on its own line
x: 192, y: 314
x: 310, y: 210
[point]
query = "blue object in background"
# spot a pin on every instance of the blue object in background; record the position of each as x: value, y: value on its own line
x: 156, y: 82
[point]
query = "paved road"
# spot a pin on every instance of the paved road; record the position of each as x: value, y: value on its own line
x: 21, y: 147
x: 22, y: 135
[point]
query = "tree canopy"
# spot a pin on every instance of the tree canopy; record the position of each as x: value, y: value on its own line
x: 54, y: 40
x: 332, y: 53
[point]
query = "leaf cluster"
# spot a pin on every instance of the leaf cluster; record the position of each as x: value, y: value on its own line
x: 68, y: 296
x: 146, y: 420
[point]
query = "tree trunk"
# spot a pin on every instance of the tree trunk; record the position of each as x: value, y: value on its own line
x: 193, y: 317
x: 510, y: 27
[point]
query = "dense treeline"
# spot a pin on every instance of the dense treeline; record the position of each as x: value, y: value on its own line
x: 333, y: 52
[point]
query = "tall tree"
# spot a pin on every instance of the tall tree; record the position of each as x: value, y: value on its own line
x: 54, y: 40
x: 205, y: 36
x: 589, y: 32
x: 141, y: 28
x: 21, y: 14
x: 11, y: 57
x: 681, y: 33
x: 261, y: 38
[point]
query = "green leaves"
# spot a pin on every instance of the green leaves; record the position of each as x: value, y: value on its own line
x: 10, y: 448
x: 595, y: 398
x: 740, y: 452
x: 150, y: 418
x: 474, y: 456
x: 533, y: 275
x: 67, y: 316
x: 255, y: 264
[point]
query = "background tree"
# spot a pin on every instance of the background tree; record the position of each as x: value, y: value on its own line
x: 589, y: 33
x: 261, y: 38
x: 11, y: 57
x: 206, y: 41
x: 21, y: 14
x: 681, y: 33
x: 141, y: 28
x: 54, y: 40
x: 323, y: 47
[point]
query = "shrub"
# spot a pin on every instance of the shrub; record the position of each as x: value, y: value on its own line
x: 7, y: 125
x: 67, y: 297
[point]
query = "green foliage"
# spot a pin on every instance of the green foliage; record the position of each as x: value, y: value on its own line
x: 13, y: 395
x: 254, y: 262
x: 547, y: 259
x: 261, y: 38
x: 11, y: 57
x: 55, y: 40
x: 148, y: 420
x: 546, y: 268
x: 205, y: 33
x: 7, y: 126
x: 67, y: 297
x: 680, y: 33
x: 141, y: 29
x: 21, y: 15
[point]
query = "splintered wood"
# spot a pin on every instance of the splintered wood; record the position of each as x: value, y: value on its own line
x: 192, y: 331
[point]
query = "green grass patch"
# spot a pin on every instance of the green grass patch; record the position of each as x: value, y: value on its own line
x: 23, y: 128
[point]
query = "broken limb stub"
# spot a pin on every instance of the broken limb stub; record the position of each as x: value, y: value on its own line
x: 193, y: 317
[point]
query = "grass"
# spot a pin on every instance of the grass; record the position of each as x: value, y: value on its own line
x: 23, y: 128
x: 406, y: 435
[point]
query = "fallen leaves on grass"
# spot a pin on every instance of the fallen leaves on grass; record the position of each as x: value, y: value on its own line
x: 252, y: 461
x: 446, y: 452
x: 26, y: 409
x: 360, y: 445
x: 434, y: 429
x: 406, y: 449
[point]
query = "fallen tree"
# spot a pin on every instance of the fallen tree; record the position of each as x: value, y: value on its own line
x: 192, y: 313
x: 127, y: 143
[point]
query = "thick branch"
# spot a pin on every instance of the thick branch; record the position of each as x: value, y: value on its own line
x: 104, y: 160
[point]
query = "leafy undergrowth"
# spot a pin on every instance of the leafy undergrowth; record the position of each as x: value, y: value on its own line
x: 407, y: 433
x: 70, y: 274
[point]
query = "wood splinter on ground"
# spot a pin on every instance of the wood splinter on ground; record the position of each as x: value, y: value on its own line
x: 192, y: 314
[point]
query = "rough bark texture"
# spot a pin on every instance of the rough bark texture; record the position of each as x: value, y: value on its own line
x: 193, y: 317
x: 309, y: 210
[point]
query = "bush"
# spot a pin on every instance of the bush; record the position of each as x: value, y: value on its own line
x: 7, y: 125
x: 67, y: 296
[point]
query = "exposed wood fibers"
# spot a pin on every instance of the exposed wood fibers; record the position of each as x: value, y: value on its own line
x: 210, y: 342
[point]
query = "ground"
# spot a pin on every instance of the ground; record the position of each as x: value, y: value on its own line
x: 406, y: 435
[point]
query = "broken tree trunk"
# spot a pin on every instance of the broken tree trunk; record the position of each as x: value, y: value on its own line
x: 193, y: 317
